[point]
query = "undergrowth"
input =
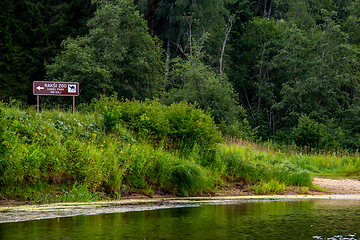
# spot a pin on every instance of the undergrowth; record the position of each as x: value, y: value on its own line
x: 110, y: 148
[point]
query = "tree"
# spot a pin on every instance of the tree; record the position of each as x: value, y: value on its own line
x: 117, y: 55
x: 193, y: 81
x: 352, y: 22
x: 31, y: 31
x: 252, y: 72
x: 322, y: 70
x: 309, y: 133
x: 180, y: 21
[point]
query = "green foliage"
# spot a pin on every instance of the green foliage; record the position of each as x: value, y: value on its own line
x: 79, y: 193
x: 147, y: 118
x: 272, y: 186
x: 31, y: 33
x: 187, y: 178
x: 117, y: 55
x: 279, y: 59
x: 254, y: 166
x: 59, y: 150
x: 239, y: 129
x: 309, y: 133
x: 252, y: 72
x: 180, y: 22
x: 190, y: 125
x: 194, y: 82
x: 112, y: 114
x: 179, y: 125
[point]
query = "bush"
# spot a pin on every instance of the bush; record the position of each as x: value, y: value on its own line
x: 179, y: 125
x: 189, y: 125
x: 146, y: 118
x: 309, y: 133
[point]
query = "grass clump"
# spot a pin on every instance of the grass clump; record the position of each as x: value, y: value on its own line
x: 273, y: 186
x: 187, y: 178
x: 79, y: 193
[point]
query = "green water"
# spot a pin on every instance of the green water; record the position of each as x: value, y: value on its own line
x: 316, y: 219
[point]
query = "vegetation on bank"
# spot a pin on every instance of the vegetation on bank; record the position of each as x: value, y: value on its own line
x: 110, y: 148
x: 286, y: 71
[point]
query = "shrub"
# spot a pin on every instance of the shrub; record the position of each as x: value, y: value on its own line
x: 190, y: 125
x: 147, y: 118
x: 179, y: 125
x: 308, y: 132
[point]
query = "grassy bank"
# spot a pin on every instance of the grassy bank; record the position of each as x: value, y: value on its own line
x: 111, y: 148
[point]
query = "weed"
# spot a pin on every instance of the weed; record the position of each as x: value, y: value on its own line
x: 303, y: 189
x: 273, y: 186
x: 79, y: 193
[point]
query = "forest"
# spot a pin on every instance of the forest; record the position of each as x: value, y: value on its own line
x: 266, y: 70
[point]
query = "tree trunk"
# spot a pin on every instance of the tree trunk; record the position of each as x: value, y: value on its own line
x: 227, y: 33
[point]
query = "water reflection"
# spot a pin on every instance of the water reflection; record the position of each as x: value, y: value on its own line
x: 318, y: 219
x: 338, y: 237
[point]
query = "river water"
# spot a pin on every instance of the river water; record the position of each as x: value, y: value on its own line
x: 301, y: 219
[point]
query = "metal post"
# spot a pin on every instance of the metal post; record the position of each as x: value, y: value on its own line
x: 73, y: 104
x: 37, y: 106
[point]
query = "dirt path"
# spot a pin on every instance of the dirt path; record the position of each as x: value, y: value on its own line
x: 339, y: 186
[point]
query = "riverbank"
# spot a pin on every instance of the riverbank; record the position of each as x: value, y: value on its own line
x: 17, y: 211
x: 57, y: 210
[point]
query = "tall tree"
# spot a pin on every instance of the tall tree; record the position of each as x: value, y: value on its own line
x: 322, y: 73
x: 253, y: 74
x: 30, y: 35
x: 117, y: 55
x: 180, y: 21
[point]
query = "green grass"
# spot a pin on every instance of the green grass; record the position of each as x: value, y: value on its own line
x: 57, y: 156
x: 272, y: 186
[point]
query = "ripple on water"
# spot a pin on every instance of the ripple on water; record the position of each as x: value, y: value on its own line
x: 338, y: 237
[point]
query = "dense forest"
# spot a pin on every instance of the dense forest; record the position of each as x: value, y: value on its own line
x: 279, y: 70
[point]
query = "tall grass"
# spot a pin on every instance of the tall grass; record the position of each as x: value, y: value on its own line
x: 252, y: 165
x: 56, y: 155
x: 317, y: 161
x: 62, y: 149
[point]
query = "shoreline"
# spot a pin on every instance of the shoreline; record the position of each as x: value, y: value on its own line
x: 13, y: 211
x: 9, y: 214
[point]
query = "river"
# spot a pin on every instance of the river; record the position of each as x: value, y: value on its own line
x: 303, y: 218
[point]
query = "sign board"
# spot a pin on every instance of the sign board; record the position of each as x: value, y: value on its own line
x: 56, y: 88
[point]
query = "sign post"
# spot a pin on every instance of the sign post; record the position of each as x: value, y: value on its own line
x: 56, y: 89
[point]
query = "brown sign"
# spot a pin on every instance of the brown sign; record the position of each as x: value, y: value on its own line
x: 56, y: 88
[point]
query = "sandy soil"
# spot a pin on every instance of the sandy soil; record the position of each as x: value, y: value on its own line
x: 339, y: 186
x: 13, y: 211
